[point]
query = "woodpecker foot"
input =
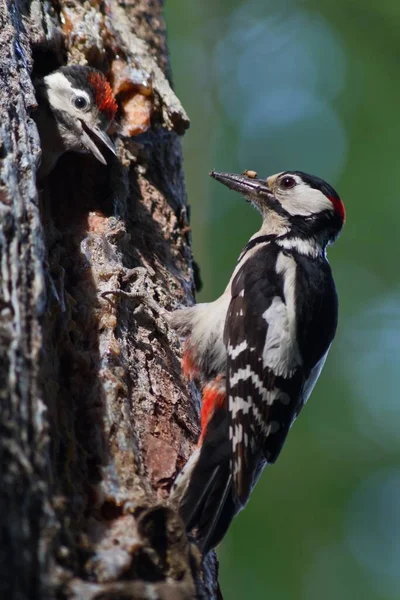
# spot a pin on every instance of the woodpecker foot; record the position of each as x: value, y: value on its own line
x: 141, y: 294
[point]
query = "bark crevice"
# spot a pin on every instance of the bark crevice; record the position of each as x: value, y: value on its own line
x: 95, y: 419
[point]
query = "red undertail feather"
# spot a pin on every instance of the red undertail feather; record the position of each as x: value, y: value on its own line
x: 209, y: 502
x: 104, y: 96
x: 213, y: 398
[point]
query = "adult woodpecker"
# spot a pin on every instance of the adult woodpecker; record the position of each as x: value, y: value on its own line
x: 75, y: 108
x: 258, y: 349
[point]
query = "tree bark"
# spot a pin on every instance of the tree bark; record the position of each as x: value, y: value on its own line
x: 96, y: 419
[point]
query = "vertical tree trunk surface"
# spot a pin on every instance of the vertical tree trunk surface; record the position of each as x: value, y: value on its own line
x: 96, y: 419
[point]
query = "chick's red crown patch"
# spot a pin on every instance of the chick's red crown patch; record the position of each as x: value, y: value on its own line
x: 104, y: 96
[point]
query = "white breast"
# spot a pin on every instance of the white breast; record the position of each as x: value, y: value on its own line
x: 203, y: 325
x: 208, y: 322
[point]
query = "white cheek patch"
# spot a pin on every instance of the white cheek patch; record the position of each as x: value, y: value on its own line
x: 61, y: 92
x: 303, y: 200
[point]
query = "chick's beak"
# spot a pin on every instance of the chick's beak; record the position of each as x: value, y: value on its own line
x: 92, y: 134
x: 252, y: 188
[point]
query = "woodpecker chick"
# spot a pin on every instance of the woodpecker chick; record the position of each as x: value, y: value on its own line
x: 75, y: 108
x: 258, y: 349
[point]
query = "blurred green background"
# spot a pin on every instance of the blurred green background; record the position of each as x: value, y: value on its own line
x: 311, y: 85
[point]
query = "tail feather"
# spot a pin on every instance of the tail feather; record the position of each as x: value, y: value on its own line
x: 190, y: 512
x: 221, y: 520
x: 209, y: 502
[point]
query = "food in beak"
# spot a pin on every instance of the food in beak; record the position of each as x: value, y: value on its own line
x: 248, y: 186
x: 250, y: 173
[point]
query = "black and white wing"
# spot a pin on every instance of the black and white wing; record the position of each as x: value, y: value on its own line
x: 268, y: 371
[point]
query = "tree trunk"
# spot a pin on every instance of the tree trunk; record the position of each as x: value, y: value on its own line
x: 96, y: 419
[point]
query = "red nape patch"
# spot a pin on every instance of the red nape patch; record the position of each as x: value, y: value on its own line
x: 213, y: 398
x: 339, y: 207
x: 104, y: 97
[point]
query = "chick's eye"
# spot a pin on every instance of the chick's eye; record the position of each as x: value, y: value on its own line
x: 288, y: 182
x: 80, y: 102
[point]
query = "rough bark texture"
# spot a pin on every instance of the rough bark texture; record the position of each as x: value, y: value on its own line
x: 95, y: 417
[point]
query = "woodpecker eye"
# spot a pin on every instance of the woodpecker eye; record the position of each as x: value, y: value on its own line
x: 288, y: 182
x: 81, y: 102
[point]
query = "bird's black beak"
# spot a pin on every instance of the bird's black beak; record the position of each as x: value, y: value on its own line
x: 92, y: 134
x: 253, y: 189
